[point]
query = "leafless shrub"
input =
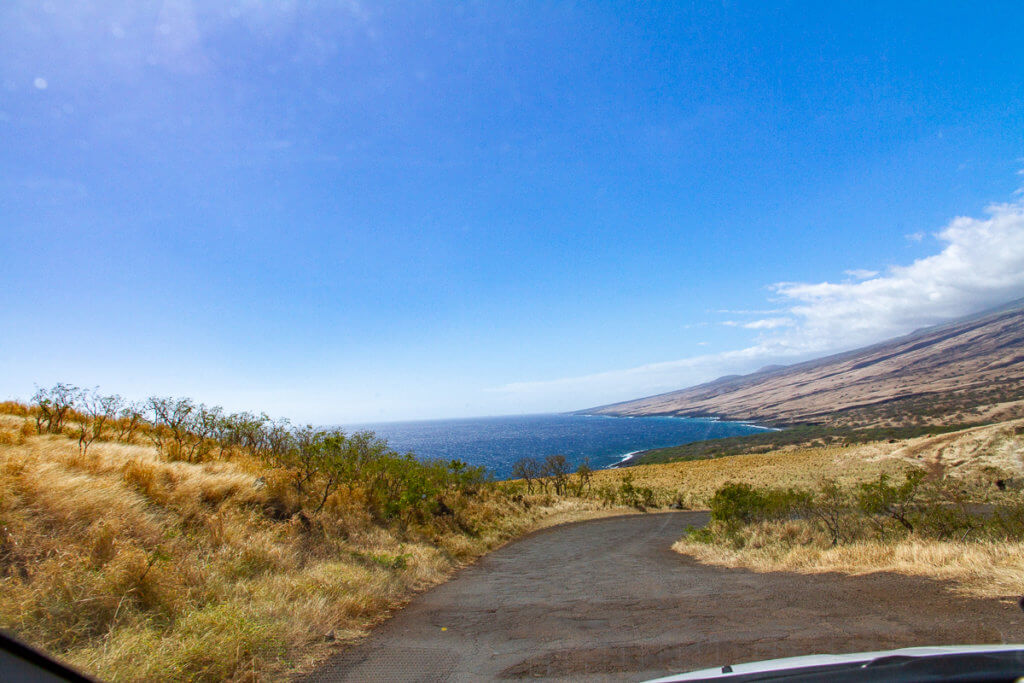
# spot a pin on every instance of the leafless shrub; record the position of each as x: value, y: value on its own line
x: 183, y: 430
x: 130, y: 417
x: 98, y: 412
x: 529, y: 470
x: 53, y: 406
x: 556, y: 468
x: 584, y: 473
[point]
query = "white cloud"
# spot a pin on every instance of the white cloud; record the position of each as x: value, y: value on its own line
x: 915, y: 236
x: 762, y: 324
x: 768, y: 323
x: 860, y: 273
x: 763, y: 311
x: 980, y: 265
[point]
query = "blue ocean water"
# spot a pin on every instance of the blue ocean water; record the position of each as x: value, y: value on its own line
x: 497, y: 442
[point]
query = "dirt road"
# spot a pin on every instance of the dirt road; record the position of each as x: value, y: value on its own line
x: 609, y: 600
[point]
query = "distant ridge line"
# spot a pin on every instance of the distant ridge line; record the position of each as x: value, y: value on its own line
x: 983, y: 352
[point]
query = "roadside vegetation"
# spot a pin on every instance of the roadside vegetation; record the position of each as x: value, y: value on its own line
x: 956, y: 513
x: 170, y: 540
x: 690, y: 484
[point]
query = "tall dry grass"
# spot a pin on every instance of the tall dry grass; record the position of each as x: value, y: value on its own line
x: 978, y: 455
x: 991, y: 569
x: 984, y: 464
x: 133, y: 567
x: 692, y: 483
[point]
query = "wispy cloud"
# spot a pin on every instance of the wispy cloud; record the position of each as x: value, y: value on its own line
x: 762, y: 324
x: 768, y: 323
x: 980, y: 265
x: 632, y: 382
x: 763, y: 311
x: 860, y: 273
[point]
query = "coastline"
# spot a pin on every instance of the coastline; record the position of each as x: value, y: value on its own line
x: 625, y: 459
x: 673, y: 416
x: 628, y: 458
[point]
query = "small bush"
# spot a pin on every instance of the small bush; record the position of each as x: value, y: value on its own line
x: 10, y: 437
x: 735, y: 504
x: 607, y: 494
x: 877, y: 510
x: 14, y: 408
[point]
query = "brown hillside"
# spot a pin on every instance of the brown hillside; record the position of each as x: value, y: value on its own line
x: 966, y: 370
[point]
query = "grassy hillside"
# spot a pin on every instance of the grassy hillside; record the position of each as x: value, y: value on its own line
x: 776, y: 510
x: 977, y: 456
x: 172, y: 541
x: 178, y: 556
x: 949, y: 507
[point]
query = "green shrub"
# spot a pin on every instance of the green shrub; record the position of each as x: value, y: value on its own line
x: 878, y: 509
x: 900, y: 503
x: 735, y: 504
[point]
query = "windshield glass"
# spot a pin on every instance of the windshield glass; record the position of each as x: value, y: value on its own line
x: 359, y: 341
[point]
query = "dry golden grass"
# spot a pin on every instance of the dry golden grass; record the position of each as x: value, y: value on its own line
x: 974, y: 457
x: 979, y: 454
x: 985, y: 569
x: 976, y: 453
x: 132, y: 567
x: 13, y: 408
x: 695, y: 481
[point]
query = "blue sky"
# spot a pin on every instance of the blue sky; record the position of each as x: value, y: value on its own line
x: 350, y: 211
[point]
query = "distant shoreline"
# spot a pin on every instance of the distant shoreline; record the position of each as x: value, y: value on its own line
x: 625, y: 459
x: 628, y: 458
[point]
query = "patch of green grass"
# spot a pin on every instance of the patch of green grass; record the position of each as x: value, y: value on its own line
x: 384, y: 560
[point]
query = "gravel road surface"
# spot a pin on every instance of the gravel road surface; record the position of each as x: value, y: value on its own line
x: 609, y: 600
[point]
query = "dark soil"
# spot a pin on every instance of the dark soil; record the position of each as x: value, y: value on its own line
x: 609, y: 600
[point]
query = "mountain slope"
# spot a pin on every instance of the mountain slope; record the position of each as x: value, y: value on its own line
x: 966, y: 368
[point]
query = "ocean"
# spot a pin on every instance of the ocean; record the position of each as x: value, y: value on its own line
x: 497, y: 442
